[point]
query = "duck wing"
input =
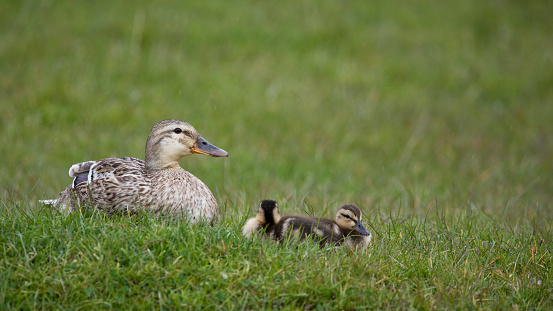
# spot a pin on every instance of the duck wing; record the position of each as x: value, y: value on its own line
x: 112, y: 184
x: 122, y: 184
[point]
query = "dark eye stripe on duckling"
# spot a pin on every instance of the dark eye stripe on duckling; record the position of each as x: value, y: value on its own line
x: 347, y: 216
x: 354, y: 209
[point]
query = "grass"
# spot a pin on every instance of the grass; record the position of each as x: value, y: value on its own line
x: 433, y: 117
x: 89, y: 261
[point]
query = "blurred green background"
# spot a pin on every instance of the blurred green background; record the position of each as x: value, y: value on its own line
x: 394, y: 105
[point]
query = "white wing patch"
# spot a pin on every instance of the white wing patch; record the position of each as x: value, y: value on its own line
x: 286, y: 225
x: 337, y: 230
x: 318, y: 232
x: 92, y: 175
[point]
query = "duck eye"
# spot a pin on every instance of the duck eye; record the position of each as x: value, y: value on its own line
x: 177, y: 130
x: 347, y: 216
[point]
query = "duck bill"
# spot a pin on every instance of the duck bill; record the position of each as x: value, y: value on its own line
x: 361, y: 229
x: 202, y: 146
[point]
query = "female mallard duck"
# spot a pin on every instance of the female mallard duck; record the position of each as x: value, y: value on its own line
x: 157, y: 184
x: 347, y: 228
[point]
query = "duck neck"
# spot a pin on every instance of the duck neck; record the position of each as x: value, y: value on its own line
x: 157, y: 160
x: 153, y: 165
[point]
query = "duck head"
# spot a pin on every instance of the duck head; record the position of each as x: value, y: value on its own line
x: 348, y: 218
x: 170, y: 140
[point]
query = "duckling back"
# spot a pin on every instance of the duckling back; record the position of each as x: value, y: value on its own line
x: 298, y: 229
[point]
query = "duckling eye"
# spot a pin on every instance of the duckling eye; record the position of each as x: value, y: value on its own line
x: 177, y: 131
x: 347, y: 216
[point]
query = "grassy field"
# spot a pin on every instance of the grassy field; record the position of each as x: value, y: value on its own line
x: 435, y: 117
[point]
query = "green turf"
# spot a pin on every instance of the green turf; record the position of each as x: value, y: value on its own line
x: 435, y: 117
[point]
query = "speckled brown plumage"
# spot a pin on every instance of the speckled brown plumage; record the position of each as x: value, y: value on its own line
x: 158, y: 185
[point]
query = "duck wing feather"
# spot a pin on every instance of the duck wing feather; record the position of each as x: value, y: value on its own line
x: 112, y: 184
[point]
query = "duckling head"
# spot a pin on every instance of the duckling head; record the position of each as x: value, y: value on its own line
x: 348, y: 218
x: 268, y: 212
x: 267, y: 215
x: 170, y: 140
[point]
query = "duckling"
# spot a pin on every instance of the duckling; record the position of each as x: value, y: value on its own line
x: 347, y: 228
x: 267, y: 217
x: 158, y: 184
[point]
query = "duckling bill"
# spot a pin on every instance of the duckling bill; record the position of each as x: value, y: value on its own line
x: 347, y: 229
